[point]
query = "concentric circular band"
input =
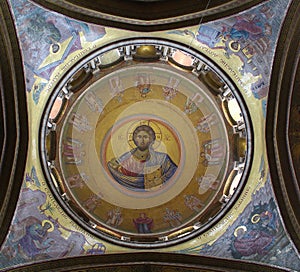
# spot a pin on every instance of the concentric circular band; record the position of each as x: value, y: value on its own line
x: 146, y: 149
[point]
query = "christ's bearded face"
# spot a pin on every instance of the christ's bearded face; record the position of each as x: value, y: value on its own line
x: 143, y: 140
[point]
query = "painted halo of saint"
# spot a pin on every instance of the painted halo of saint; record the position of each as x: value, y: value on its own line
x: 142, y: 168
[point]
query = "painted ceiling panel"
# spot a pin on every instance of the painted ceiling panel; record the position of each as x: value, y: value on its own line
x: 242, y: 46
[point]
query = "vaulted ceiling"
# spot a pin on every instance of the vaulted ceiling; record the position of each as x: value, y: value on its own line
x: 274, y: 189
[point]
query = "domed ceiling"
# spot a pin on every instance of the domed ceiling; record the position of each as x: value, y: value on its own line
x: 145, y: 135
x: 143, y: 129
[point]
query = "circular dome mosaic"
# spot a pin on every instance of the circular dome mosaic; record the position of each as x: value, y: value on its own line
x: 145, y: 143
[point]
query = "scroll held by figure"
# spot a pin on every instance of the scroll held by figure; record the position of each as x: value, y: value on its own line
x: 142, y: 168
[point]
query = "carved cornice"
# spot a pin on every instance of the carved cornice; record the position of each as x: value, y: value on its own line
x: 148, y: 15
x: 147, y: 261
x: 283, y: 84
x: 14, y: 128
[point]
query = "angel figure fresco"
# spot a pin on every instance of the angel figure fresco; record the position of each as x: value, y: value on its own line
x: 114, y: 217
x: 142, y: 167
x: 72, y: 151
x: 77, y: 180
x: 193, y: 202
x: 116, y: 87
x: 92, y: 202
x: 172, y: 217
x: 208, y: 181
x: 94, y: 103
x: 80, y: 122
x: 143, y: 84
x: 214, y: 151
x: 190, y: 106
x: 170, y: 90
x: 206, y: 122
x: 192, y: 103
